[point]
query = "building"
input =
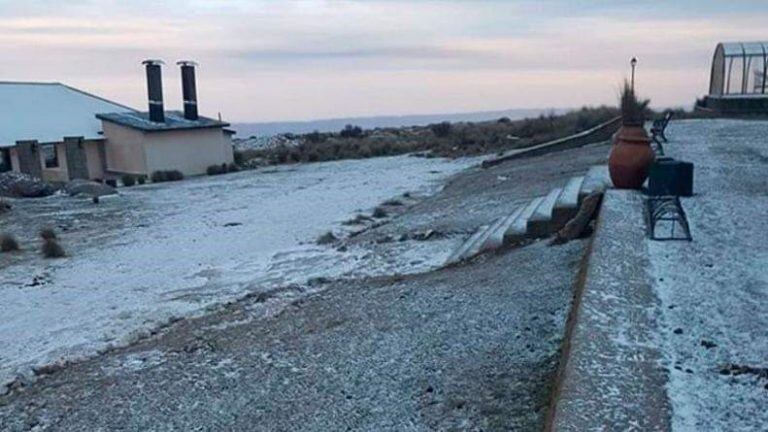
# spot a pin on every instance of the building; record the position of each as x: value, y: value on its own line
x: 738, y: 84
x: 59, y: 133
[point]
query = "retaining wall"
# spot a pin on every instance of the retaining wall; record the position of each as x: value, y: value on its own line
x: 599, y: 133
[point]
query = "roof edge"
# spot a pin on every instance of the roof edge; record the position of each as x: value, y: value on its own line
x: 69, y: 87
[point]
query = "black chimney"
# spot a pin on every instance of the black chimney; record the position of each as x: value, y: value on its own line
x: 189, y: 89
x: 155, y: 90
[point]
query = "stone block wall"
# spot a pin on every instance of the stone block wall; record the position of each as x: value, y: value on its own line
x: 77, y: 162
x: 29, y: 158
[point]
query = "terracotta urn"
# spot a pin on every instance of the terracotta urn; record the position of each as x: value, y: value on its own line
x: 631, y: 157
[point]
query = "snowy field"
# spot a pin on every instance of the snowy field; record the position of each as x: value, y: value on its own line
x: 156, y: 252
x: 714, y: 290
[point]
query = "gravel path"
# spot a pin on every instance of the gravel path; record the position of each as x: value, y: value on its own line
x: 466, y: 348
x: 469, y: 348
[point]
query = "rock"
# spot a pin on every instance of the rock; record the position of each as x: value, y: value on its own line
x: 19, y: 185
x: 87, y: 187
x: 708, y: 344
x: 678, y: 331
x: 576, y: 226
x: 326, y: 239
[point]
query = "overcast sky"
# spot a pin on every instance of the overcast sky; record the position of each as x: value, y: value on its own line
x: 294, y: 60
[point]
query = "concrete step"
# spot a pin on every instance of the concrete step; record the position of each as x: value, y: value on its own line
x: 540, y: 222
x: 456, y: 256
x: 518, y: 229
x: 597, y: 179
x: 496, y: 239
x: 477, y: 246
x: 567, y: 204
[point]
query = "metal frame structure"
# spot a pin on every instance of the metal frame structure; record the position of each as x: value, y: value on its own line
x: 745, y: 56
x: 668, y: 210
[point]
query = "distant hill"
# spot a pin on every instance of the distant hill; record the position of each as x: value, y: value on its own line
x: 245, y: 130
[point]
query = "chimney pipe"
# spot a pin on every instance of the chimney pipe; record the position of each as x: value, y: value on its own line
x: 189, y: 88
x: 155, y: 90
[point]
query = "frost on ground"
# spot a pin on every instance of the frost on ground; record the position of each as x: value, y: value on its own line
x: 162, y: 251
x: 714, y: 290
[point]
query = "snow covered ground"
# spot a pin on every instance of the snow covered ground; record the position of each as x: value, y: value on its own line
x: 157, y: 252
x: 714, y: 290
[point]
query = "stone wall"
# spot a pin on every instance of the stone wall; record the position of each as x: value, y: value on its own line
x: 29, y: 158
x: 77, y: 163
x: 599, y: 133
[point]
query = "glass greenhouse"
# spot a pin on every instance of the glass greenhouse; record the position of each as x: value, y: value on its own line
x: 739, y: 69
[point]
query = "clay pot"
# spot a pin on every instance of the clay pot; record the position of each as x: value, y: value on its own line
x: 631, y: 157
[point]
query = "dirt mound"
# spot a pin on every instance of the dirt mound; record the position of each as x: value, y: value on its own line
x: 87, y: 187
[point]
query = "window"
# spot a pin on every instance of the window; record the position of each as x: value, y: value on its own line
x: 51, y: 156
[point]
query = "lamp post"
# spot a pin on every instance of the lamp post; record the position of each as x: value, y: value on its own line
x: 633, y: 62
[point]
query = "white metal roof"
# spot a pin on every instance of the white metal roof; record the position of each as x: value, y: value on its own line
x: 48, y: 112
x: 731, y: 49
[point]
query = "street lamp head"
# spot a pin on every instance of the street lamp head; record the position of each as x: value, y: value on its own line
x: 633, y: 62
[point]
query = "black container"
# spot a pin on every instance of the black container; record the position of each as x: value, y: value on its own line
x: 671, y: 177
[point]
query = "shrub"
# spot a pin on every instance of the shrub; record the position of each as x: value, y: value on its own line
x: 441, y: 130
x: 141, y: 179
x: 8, y: 243
x: 128, y: 180
x: 175, y: 175
x: 166, y: 176
x: 505, y: 120
x: 215, y: 170
x: 159, y: 177
x: 315, y: 137
x: 351, y: 131
x: 51, y: 249
x: 233, y: 167
x: 380, y: 213
x: 326, y: 238
x: 48, y: 234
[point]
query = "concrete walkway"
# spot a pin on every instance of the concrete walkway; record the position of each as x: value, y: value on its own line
x: 714, y: 290
x: 612, y: 377
x: 673, y: 335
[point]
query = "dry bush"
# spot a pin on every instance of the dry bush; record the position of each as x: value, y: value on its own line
x: 48, y: 234
x: 52, y: 249
x: 380, y: 213
x: 8, y: 243
x: 326, y: 238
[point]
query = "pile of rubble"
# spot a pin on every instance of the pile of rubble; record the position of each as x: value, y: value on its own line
x: 19, y: 185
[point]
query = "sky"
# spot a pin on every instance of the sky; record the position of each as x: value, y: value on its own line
x: 274, y: 60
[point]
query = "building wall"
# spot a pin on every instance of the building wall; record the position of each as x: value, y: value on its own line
x: 60, y: 173
x: 15, y: 166
x: 124, y: 149
x: 189, y: 151
x: 94, y: 155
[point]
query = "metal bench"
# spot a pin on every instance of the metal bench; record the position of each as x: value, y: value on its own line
x: 657, y: 131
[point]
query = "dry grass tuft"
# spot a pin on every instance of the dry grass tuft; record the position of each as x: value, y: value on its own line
x: 8, y: 243
x: 326, y: 238
x: 380, y: 213
x: 48, y: 234
x: 51, y: 249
